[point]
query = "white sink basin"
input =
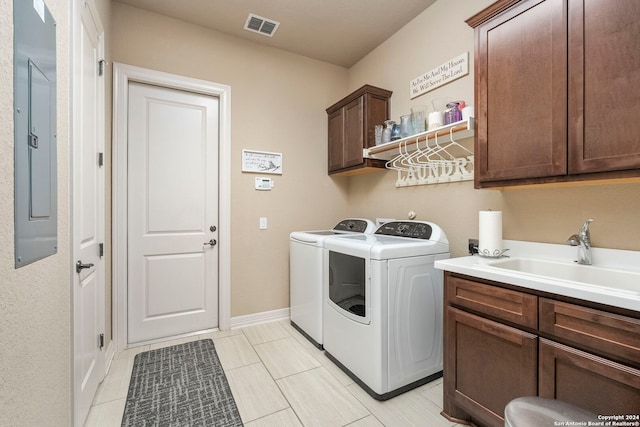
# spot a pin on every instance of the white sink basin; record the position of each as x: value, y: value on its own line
x: 620, y: 280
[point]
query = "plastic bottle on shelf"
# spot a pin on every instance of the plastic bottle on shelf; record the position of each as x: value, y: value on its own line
x: 453, y: 113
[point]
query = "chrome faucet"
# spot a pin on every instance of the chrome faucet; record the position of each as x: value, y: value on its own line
x: 583, y: 241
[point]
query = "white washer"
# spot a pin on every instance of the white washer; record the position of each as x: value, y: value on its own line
x: 306, y: 274
x: 383, y: 306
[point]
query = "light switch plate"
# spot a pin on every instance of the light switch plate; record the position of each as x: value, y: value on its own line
x: 263, y: 223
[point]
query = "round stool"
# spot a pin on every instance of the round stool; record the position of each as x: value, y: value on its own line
x: 540, y: 412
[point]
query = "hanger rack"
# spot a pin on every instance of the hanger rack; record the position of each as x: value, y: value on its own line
x: 430, y: 157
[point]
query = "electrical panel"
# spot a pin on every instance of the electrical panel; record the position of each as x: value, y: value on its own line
x: 34, y: 66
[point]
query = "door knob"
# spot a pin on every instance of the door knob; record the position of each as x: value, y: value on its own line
x: 211, y: 242
x: 80, y: 266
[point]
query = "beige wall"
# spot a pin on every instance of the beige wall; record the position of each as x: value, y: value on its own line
x: 536, y: 214
x: 35, y: 299
x: 278, y: 101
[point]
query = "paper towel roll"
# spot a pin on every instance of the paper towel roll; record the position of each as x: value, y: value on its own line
x: 490, y: 233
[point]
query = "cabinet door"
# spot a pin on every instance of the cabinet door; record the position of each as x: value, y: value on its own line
x: 486, y: 364
x: 590, y: 382
x: 354, y: 137
x: 521, y: 90
x: 376, y: 112
x: 604, y: 82
x: 336, y: 140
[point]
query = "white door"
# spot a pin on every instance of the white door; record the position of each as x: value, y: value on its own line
x: 88, y: 209
x: 172, y: 212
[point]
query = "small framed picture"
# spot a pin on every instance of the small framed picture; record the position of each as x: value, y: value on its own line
x: 261, y: 162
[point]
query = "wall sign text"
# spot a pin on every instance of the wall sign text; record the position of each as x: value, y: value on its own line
x: 446, y: 73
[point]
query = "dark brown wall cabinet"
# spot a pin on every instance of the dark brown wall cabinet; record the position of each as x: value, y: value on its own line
x: 501, y: 342
x: 351, y: 129
x: 556, y: 91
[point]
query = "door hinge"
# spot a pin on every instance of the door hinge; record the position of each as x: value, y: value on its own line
x: 100, y: 159
x: 101, y: 67
x: 101, y: 341
x: 101, y: 249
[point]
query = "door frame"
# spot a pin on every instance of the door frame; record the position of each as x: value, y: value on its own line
x: 122, y: 75
x: 76, y: 139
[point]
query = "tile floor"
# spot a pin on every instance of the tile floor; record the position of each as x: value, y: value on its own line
x: 279, y: 379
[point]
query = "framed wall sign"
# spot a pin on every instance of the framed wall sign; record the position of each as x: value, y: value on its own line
x: 261, y: 162
x: 446, y: 73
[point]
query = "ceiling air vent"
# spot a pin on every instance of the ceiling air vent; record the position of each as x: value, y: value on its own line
x: 261, y: 25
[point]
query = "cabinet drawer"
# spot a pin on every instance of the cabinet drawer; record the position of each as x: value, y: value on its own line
x: 604, y: 333
x: 505, y: 304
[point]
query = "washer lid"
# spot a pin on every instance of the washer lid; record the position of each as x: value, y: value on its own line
x: 389, y: 247
x: 398, y: 239
x: 346, y: 227
x: 317, y: 237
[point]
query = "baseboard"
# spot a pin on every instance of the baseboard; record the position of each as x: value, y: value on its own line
x: 256, y: 318
x: 108, y: 356
x: 236, y: 322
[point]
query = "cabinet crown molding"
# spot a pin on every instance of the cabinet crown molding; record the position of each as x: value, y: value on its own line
x: 358, y: 93
x: 489, y: 12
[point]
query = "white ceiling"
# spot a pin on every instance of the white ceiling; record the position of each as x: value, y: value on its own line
x: 340, y: 32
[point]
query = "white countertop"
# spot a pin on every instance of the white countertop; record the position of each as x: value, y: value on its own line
x: 477, y: 266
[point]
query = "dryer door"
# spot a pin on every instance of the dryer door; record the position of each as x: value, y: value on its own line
x: 349, y: 286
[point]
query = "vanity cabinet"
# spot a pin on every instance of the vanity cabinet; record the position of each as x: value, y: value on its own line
x: 486, y: 365
x: 351, y: 124
x: 554, y: 91
x: 503, y: 342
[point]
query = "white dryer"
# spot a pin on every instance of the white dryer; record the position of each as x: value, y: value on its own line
x: 383, y: 306
x: 306, y: 274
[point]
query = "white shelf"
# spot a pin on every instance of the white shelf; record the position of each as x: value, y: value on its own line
x: 459, y: 130
x: 432, y: 157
